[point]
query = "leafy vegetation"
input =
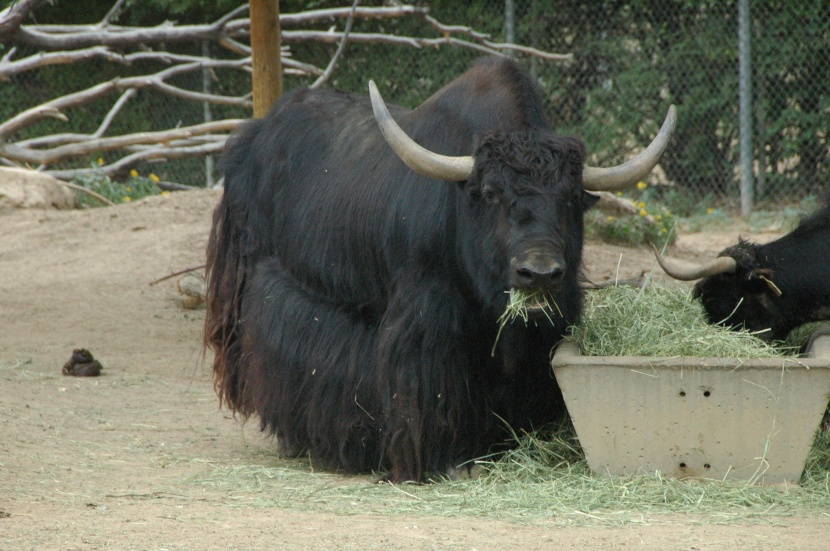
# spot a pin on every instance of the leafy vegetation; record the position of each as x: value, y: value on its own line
x: 651, y: 222
x: 137, y: 187
x: 631, y: 230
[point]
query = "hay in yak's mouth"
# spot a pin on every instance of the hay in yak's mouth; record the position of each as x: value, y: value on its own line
x: 526, y: 305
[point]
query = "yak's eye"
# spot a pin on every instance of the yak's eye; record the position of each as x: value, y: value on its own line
x: 521, y: 215
x: 489, y: 194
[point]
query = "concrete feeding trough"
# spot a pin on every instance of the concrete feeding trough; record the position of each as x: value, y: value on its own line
x: 689, y: 417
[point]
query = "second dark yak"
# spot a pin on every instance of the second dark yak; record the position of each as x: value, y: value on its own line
x: 768, y: 289
x: 356, y: 277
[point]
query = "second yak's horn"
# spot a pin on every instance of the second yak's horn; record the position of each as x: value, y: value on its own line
x: 720, y: 265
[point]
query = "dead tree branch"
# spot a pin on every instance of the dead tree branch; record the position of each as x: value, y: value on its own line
x: 11, y: 18
x: 55, y: 107
x: 105, y: 40
x: 330, y: 69
x: 484, y: 46
x: 330, y: 14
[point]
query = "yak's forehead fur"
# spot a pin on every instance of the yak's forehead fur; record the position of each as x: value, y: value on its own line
x: 720, y: 293
x: 541, y: 159
x: 745, y: 254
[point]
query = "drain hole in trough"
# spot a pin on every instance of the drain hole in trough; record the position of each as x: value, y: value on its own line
x: 682, y: 393
x: 682, y: 465
x: 707, y: 466
x: 707, y: 393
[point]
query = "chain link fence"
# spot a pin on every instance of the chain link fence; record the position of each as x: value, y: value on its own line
x: 631, y: 60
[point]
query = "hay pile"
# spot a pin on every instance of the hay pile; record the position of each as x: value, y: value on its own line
x: 661, y: 321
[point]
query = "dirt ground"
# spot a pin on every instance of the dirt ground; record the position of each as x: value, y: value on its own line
x: 113, y: 462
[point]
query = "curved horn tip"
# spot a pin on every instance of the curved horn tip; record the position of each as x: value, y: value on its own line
x: 670, y: 121
x: 617, y: 178
x: 416, y: 157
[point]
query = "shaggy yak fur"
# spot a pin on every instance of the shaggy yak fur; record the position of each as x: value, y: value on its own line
x: 353, y: 304
x: 777, y: 286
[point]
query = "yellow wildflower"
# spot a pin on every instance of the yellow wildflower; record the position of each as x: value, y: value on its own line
x: 641, y: 185
x: 643, y: 212
x: 164, y: 193
x: 128, y: 188
x: 127, y: 199
x: 134, y: 173
x: 100, y: 161
x: 658, y: 217
x: 641, y: 205
x: 710, y: 210
x: 610, y: 218
x: 154, y: 178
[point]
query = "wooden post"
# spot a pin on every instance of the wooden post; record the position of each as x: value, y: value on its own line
x: 265, y: 54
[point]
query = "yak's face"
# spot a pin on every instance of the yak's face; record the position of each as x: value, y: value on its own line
x: 745, y: 298
x: 523, y: 214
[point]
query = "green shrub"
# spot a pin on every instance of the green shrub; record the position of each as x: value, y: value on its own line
x: 135, y: 188
x: 653, y: 223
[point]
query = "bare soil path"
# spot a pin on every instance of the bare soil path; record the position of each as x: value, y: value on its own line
x: 124, y: 461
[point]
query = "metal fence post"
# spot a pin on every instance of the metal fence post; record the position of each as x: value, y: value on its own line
x: 745, y: 105
x: 207, y: 112
x: 509, y: 22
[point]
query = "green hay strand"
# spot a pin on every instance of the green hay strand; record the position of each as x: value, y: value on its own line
x: 518, y: 308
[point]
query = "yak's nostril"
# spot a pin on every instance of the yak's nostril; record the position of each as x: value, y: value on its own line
x: 525, y: 276
x: 537, y: 277
x: 550, y: 277
x: 555, y: 273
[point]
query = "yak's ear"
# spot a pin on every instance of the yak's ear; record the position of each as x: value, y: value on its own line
x: 588, y: 200
x: 761, y: 279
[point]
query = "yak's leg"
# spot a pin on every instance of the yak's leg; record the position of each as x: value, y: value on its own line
x: 433, y: 377
x: 532, y: 397
x: 310, y: 372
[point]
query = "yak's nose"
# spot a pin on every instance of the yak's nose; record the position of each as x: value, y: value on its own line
x: 536, y: 273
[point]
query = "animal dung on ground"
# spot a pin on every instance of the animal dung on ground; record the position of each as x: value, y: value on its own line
x: 82, y: 364
x: 192, y: 290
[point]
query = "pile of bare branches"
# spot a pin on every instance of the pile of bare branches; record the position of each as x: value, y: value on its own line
x: 65, y: 44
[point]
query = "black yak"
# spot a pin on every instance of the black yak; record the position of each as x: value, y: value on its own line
x: 353, y: 301
x: 767, y: 289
